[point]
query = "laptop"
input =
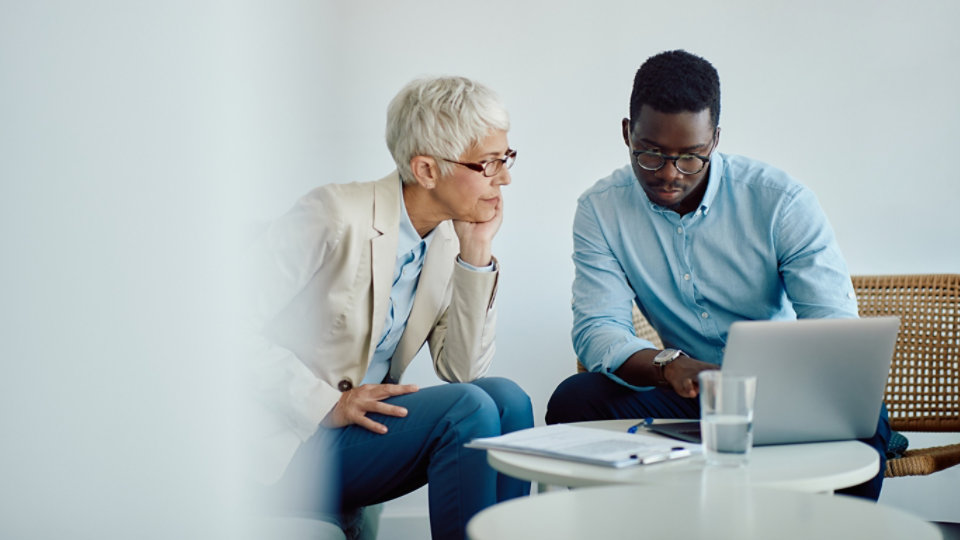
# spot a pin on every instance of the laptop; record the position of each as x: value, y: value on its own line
x: 817, y: 379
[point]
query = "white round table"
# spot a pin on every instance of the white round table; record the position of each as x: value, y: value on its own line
x: 690, y: 511
x: 812, y: 467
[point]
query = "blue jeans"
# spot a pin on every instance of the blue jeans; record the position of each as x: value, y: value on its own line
x: 594, y: 396
x: 425, y: 447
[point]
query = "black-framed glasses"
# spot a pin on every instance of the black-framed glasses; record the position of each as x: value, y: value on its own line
x: 652, y: 160
x: 490, y: 167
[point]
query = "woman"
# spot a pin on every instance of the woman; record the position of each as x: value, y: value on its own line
x: 356, y: 278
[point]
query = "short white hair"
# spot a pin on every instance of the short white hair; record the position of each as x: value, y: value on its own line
x: 441, y: 117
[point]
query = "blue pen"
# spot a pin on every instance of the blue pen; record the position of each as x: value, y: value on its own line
x: 644, y: 423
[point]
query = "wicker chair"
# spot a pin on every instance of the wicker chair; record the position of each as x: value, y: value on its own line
x: 923, y: 390
x: 642, y: 328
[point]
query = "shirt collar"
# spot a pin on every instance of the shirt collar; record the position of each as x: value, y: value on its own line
x: 714, y: 177
x: 713, y: 182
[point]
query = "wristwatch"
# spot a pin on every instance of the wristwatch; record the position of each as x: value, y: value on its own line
x: 663, y: 358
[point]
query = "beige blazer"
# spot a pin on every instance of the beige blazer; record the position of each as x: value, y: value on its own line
x: 322, y: 288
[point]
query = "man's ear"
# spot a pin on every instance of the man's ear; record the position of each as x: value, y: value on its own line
x: 625, y: 126
x: 425, y: 171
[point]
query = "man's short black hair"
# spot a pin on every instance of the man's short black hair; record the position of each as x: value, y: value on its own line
x: 674, y: 82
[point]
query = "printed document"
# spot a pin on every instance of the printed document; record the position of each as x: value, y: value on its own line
x: 589, y: 445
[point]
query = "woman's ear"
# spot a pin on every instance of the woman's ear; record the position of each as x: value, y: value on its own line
x: 425, y: 171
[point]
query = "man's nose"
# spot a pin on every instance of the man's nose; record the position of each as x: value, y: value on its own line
x: 669, y: 171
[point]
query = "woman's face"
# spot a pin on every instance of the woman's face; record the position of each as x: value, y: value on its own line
x: 468, y: 195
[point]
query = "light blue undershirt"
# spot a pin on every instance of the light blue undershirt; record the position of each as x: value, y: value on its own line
x: 411, y: 250
x: 758, y: 247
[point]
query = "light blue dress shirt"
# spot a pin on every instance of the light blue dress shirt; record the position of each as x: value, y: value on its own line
x: 411, y: 250
x: 759, y: 247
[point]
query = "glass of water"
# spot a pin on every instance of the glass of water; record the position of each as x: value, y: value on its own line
x: 726, y: 417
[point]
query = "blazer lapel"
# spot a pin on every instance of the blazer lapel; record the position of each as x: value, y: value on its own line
x: 383, y: 252
x: 431, y: 292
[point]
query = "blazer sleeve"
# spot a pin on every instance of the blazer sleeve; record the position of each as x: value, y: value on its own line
x: 282, y: 259
x: 462, y: 341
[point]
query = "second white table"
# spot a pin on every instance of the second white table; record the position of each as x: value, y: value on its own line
x: 708, y: 511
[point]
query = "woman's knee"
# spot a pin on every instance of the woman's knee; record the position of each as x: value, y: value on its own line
x: 475, y: 407
x: 505, y: 393
x: 513, y: 404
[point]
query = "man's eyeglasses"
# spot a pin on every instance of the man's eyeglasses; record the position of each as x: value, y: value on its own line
x: 652, y: 160
x: 490, y: 167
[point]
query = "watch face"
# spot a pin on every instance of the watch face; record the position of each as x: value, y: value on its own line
x: 666, y: 356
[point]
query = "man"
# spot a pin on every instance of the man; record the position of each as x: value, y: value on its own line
x: 699, y: 240
x: 357, y: 278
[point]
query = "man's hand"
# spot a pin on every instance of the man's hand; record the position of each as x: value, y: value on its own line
x: 476, y: 238
x: 682, y: 373
x: 353, y: 406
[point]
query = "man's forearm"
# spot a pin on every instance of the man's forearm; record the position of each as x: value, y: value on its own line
x: 639, y: 370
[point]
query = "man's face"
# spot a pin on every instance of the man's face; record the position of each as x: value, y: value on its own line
x: 671, y: 134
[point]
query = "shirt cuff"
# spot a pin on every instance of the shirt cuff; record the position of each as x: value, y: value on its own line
x: 488, y: 268
x: 633, y: 345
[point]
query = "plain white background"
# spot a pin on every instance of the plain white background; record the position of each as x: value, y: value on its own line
x: 135, y: 138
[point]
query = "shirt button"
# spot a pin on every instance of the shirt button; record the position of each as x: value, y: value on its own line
x: 679, y: 230
x: 686, y: 277
x: 704, y: 315
x: 851, y: 295
x: 345, y: 385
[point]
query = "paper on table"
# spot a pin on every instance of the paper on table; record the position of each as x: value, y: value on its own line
x: 589, y: 445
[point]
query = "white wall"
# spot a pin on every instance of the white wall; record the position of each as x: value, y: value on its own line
x: 115, y: 198
x: 132, y: 133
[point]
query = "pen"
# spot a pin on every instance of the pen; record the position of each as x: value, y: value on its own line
x: 643, y: 423
x: 674, y: 453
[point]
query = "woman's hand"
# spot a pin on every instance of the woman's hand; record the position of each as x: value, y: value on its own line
x: 354, y: 404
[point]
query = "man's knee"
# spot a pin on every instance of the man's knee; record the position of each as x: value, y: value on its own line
x: 569, y: 401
